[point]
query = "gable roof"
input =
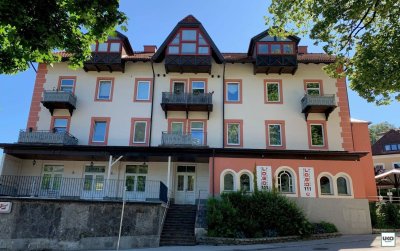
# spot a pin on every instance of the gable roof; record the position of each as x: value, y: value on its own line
x: 256, y: 38
x: 126, y: 43
x: 390, y: 137
x: 188, y: 22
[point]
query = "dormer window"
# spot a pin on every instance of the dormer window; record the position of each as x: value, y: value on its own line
x: 188, y: 42
x: 109, y: 46
x: 268, y: 48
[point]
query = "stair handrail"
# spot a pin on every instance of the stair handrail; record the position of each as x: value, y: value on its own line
x: 198, y: 205
x: 163, y: 218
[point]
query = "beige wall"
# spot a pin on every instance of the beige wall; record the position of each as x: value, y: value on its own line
x: 253, y: 111
x: 11, y: 165
x: 387, y: 160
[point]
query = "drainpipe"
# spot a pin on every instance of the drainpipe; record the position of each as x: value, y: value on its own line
x: 152, y: 102
x: 213, y: 173
x: 223, y: 107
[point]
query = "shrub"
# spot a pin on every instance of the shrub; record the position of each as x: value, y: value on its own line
x: 261, y: 214
x: 323, y: 228
x: 384, y: 215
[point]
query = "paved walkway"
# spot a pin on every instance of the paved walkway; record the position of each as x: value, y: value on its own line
x: 345, y: 243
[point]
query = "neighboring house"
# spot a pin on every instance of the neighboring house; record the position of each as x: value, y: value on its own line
x: 199, y: 122
x: 386, y: 152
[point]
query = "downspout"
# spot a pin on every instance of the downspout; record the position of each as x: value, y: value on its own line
x: 152, y: 102
x: 223, y: 107
x: 213, y: 173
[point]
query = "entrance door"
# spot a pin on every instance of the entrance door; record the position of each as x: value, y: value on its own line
x: 185, y: 185
x: 135, y: 182
x: 51, y: 181
x: 93, y: 183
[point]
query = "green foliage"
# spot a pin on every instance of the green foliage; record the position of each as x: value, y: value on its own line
x: 31, y: 30
x: 376, y: 129
x: 369, y: 28
x: 254, y: 215
x: 385, y: 215
x: 323, y: 227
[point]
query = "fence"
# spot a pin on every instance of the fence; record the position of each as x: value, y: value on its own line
x: 92, y: 187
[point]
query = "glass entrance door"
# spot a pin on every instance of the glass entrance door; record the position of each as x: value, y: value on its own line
x: 135, y: 182
x: 93, y: 183
x: 51, y: 181
x: 185, y: 185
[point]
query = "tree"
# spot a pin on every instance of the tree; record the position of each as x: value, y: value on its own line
x: 376, y: 129
x: 32, y: 30
x: 368, y: 28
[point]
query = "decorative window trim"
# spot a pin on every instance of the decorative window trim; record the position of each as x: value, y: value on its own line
x: 178, y: 80
x: 135, y: 91
x: 272, y: 81
x: 184, y: 121
x: 349, y: 185
x: 332, y: 180
x: 283, y: 134
x: 239, y: 82
x: 222, y: 181
x: 250, y: 174
x: 241, y: 139
x: 99, y: 119
x: 53, y: 118
x: 295, y: 180
x: 66, y: 77
x: 147, y: 131
x: 96, y: 99
x: 321, y: 86
x: 181, y: 41
x: 191, y: 80
x: 189, y: 125
x: 317, y: 122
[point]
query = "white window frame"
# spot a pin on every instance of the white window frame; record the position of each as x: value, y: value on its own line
x: 279, y: 92
x: 227, y: 134
x: 94, y: 131
x: 99, y: 89
x: 227, y: 91
x: 73, y: 85
x: 198, y: 81
x: 269, y: 133
x: 145, y: 132
x: 312, y: 88
x: 148, y: 92
x: 54, y: 124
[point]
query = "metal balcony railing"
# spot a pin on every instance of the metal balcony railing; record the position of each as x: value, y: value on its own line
x: 89, y: 188
x: 311, y: 100
x: 184, y: 139
x: 187, y: 98
x: 59, y: 97
x: 46, y: 137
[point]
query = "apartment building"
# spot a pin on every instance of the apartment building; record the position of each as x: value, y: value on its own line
x: 185, y: 121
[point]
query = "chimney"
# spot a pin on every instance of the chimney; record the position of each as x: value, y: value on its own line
x: 150, y: 48
x: 302, y: 49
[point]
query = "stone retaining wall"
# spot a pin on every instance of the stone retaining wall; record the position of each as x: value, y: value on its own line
x: 35, y: 224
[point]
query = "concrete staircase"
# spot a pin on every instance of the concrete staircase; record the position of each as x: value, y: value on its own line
x: 179, y: 225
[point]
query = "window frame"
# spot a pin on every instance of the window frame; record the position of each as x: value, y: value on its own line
x: 233, y: 182
x: 61, y: 78
x: 227, y: 122
x: 196, y: 42
x: 324, y: 132
x: 136, y: 92
x: 191, y: 80
x: 281, y: 123
x: 292, y: 178
x: 108, y: 42
x: 91, y: 134
x: 329, y: 177
x: 204, y: 121
x: 311, y: 81
x: 280, y: 90
x: 53, y: 120
x: 178, y: 80
x: 348, y: 186
x: 96, y: 95
x: 183, y: 121
x: 240, y: 92
x: 132, y: 132
x: 281, y: 46
x: 396, y: 163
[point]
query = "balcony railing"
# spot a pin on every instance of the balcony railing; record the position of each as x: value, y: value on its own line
x: 88, y: 188
x: 172, y: 101
x: 46, y: 137
x: 188, y: 63
x: 318, y: 104
x: 59, y: 100
x: 192, y: 139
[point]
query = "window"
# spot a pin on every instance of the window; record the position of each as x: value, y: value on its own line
x: 93, y: 180
x: 262, y: 49
x: 140, y: 129
x: 228, y: 182
x: 177, y: 127
x: 67, y: 84
x: 274, y: 133
x: 379, y: 168
x: 233, y: 91
x: 313, y: 89
x: 115, y: 47
x: 104, y: 89
x: 275, y: 49
x: 396, y: 165
x: 234, y: 133
x: 99, y: 131
x: 342, y: 186
x: 135, y: 180
x: 103, y: 47
x: 392, y: 147
x: 273, y: 91
x: 325, y: 185
x: 288, y: 49
x: 317, y: 134
x: 52, y: 177
x: 60, y: 125
x: 266, y: 47
x: 143, y: 90
x: 198, y: 87
x: 189, y: 42
x: 285, y: 182
x: 245, y: 182
x: 197, y: 132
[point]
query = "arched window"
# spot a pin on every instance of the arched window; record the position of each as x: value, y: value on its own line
x: 228, y: 182
x: 245, y: 182
x: 342, y: 186
x: 285, y: 182
x: 325, y: 185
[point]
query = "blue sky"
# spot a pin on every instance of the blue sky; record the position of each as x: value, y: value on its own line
x: 230, y: 23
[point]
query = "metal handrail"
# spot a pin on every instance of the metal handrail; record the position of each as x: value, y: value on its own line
x: 188, y: 139
x: 164, y: 217
x: 328, y: 100
x: 46, y: 137
x: 198, y: 204
x: 187, y: 98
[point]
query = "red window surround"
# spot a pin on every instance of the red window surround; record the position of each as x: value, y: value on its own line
x: 279, y: 81
x: 92, y: 123
x: 133, y: 120
x: 179, y: 44
x: 53, y: 118
x: 321, y: 86
x: 233, y: 121
x: 238, y: 81
x: 137, y: 80
x: 283, y: 135
x: 317, y: 122
x: 66, y: 77
x: 97, y: 89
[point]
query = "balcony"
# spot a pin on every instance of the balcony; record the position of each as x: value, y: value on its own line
x: 188, y: 64
x: 59, y: 100
x: 58, y: 187
x: 105, y: 61
x: 186, y: 102
x: 275, y: 64
x: 318, y: 104
x: 46, y: 137
x: 192, y: 139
